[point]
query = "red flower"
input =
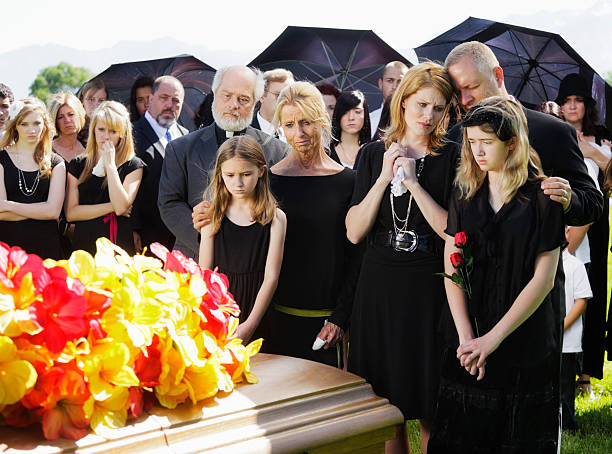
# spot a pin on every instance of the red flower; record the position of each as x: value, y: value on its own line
x: 460, y: 239
x: 147, y: 365
x: 457, y: 259
x: 61, y: 314
x: 175, y: 260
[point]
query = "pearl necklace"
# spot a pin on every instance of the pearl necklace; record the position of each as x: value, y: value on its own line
x: 23, y: 184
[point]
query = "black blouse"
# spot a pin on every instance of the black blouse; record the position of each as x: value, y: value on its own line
x: 505, y: 246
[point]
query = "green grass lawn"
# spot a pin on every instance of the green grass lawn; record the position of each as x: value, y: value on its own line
x: 594, y: 417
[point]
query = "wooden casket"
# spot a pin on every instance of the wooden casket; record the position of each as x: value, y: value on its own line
x: 297, y: 406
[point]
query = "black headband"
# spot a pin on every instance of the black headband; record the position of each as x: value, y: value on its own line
x: 479, y: 116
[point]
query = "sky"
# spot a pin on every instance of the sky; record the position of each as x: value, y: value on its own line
x: 245, y: 24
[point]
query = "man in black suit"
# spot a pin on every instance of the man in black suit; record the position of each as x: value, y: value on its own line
x: 152, y: 132
x: 276, y: 80
x: 190, y: 159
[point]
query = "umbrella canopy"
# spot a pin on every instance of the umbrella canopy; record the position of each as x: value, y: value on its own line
x: 534, y: 61
x: 347, y: 59
x: 195, y: 75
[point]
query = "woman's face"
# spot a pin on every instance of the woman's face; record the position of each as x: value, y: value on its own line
x: 142, y: 99
x: 302, y: 134
x: 352, y: 121
x: 105, y: 134
x: 489, y: 152
x: 423, y: 110
x: 30, y: 128
x: 66, y: 120
x: 93, y: 98
x: 573, y: 109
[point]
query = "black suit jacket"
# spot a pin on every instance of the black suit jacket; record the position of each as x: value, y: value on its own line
x: 146, y: 219
x: 184, y: 178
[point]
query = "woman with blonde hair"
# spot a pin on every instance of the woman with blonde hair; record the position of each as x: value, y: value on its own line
x: 68, y: 116
x: 316, y: 283
x: 32, y: 181
x: 497, y: 388
x: 103, y: 182
x: 399, y: 207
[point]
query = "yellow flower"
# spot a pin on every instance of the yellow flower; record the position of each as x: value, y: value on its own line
x: 17, y: 377
x: 110, y: 413
x: 106, y: 367
x: 171, y: 390
x: 14, y: 303
x: 238, y: 363
x: 202, y: 382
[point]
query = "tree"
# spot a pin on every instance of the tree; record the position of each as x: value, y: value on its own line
x: 57, y: 78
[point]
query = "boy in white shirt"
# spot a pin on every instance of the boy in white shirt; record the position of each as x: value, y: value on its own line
x: 577, y: 291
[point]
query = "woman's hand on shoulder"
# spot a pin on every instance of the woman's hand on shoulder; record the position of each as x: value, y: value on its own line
x: 387, y: 170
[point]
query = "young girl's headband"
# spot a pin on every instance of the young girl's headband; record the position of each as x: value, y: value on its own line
x: 492, y: 116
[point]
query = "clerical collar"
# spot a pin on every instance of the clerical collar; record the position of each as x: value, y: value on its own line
x: 222, y: 135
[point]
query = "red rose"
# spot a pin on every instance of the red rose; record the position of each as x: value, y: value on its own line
x: 460, y: 239
x: 457, y: 259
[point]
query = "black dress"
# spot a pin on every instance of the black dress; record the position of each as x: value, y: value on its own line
x: 399, y: 297
x: 515, y: 407
x: 34, y: 236
x: 240, y: 252
x: 91, y: 192
x: 319, y: 268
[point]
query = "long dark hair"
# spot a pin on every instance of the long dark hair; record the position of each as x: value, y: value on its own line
x: 346, y: 101
x: 143, y: 81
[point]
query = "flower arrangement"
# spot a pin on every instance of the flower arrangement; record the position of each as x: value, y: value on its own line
x: 92, y: 341
x: 463, y: 262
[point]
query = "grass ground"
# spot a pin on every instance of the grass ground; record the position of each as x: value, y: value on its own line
x: 594, y: 417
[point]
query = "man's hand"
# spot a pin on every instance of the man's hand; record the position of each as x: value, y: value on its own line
x: 201, y: 215
x: 559, y: 190
x: 330, y: 333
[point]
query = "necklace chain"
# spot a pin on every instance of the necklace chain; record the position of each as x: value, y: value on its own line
x: 23, y: 184
x: 403, y: 228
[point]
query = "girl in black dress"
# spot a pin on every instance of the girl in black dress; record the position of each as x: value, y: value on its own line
x: 246, y: 235
x: 399, y: 297
x: 32, y: 181
x: 497, y: 390
x: 103, y: 182
x: 350, y: 128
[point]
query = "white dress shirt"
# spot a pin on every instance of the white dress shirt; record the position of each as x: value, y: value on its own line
x: 375, y: 118
x: 268, y: 128
x: 161, y: 131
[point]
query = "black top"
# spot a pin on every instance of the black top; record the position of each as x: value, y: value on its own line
x: 91, y: 192
x: 436, y: 178
x: 11, y: 176
x: 505, y: 246
x: 317, y: 270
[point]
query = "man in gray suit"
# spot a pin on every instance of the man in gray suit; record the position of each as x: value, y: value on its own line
x: 190, y: 159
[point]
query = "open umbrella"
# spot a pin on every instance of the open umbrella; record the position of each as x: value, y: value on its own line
x: 534, y: 61
x: 195, y: 75
x: 347, y: 59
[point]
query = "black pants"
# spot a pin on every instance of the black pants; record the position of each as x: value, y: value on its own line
x: 569, y: 369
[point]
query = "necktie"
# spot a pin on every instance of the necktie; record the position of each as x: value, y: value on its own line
x: 168, y: 136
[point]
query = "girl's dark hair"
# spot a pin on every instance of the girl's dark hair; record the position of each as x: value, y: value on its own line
x: 143, y: 81
x: 346, y: 101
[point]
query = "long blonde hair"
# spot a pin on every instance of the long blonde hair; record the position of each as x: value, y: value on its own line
x: 426, y: 74
x: 264, y: 204
x: 43, y: 150
x: 504, y: 118
x: 115, y: 116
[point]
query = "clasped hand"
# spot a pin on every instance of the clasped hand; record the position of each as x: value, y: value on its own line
x: 107, y: 151
x: 393, y: 158
x: 472, y: 354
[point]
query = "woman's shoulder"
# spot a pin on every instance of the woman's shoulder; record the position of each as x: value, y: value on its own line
x: 3, y: 157
x: 56, y: 159
x: 132, y: 164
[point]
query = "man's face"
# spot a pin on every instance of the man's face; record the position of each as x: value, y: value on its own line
x: 234, y: 100
x: 470, y: 85
x: 166, y: 103
x: 389, y: 82
x: 268, y: 100
x: 5, y: 104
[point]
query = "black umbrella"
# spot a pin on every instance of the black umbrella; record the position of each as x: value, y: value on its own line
x: 195, y: 75
x: 347, y: 59
x: 534, y: 61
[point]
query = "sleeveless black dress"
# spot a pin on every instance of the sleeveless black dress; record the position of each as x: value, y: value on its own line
x: 34, y: 236
x: 240, y: 252
x: 91, y: 192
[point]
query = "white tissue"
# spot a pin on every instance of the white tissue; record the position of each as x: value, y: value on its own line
x: 397, y: 184
x: 99, y: 169
x: 318, y: 343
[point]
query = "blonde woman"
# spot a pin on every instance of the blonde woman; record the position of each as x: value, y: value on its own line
x: 399, y: 297
x: 68, y: 116
x: 103, y: 182
x: 32, y: 181
x: 317, y: 278
x: 497, y: 388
